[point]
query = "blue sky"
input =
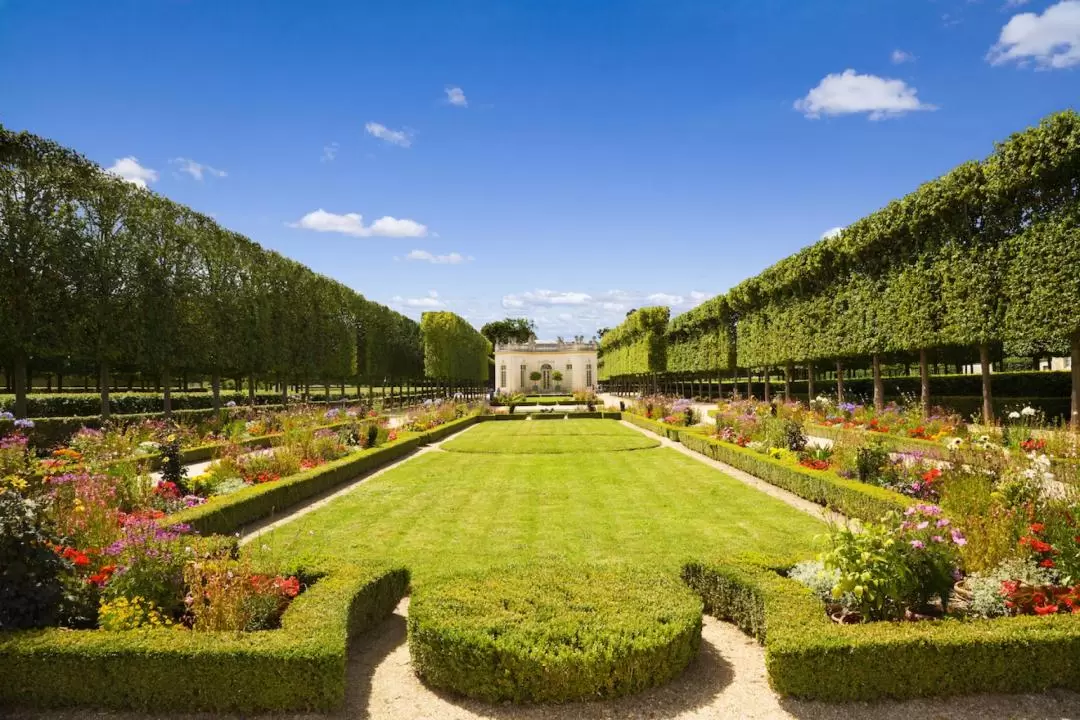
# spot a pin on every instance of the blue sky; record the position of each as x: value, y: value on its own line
x: 564, y: 161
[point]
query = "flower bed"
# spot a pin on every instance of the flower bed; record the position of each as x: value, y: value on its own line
x: 552, y: 634
x: 300, y: 666
x: 808, y: 656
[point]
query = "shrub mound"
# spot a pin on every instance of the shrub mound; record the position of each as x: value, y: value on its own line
x: 553, y: 633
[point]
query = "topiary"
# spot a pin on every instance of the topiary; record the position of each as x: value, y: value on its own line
x: 31, y: 573
x: 553, y: 633
x: 172, y: 470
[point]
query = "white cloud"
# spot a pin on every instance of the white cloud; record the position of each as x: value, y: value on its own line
x: 431, y: 301
x: 329, y: 152
x: 197, y: 170
x: 456, y: 96
x: 849, y: 92
x: 450, y: 259
x: 1016, y: 3
x: 1051, y: 40
x: 546, y: 298
x: 401, y: 138
x: 353, y: 224
x: 899, y: 57
x: 666, y: 299
x: 831, y: 232
x: 129, y: 169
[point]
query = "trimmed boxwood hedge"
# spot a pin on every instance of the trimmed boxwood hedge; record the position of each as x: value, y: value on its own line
x: 825, y: 487
x: 552, y: 633
x: 809, y: 656
x: 300, y: 666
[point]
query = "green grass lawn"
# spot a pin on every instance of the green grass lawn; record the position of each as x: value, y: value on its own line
x: 445, y: 511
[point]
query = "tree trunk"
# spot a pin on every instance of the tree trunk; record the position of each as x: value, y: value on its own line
x: 215, y: 390
x: 924, y: 383
x: 810, y: 381
x: 251, y: 390
x: 749, y: 384
x: 284, y: 393
x: 879, y: 386
x: 166, y: 384
x: 1074, y: 356
x: 19, y: 371
x: 788, y: 370
x: 768, y: 393
x: 105, y: 383
x: 59, y: 382
x: 988, y: 405
x: 839, y: 382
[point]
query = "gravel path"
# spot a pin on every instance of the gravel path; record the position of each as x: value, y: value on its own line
x: 726, y: 680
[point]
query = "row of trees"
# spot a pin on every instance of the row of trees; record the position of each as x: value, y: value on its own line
x: 971, y: 266
x: 454, y: 351
x: 98, y: 274
x: 637, y: 346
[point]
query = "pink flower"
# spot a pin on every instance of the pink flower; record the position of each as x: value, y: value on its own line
x: 958, y: 537
x: 943, y: 522
x: 917, y: 544
x: 938, y: 538
x: 923, y: 525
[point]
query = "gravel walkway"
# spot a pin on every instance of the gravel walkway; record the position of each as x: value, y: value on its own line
x: 726, y: 680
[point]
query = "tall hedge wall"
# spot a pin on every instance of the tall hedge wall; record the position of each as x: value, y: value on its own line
x: 702, y: 339
x: 453, y: 349
x: 100, y: 276
x: 638, y: 345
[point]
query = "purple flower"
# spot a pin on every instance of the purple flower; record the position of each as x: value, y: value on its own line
x: 24, y: 424
x: 938, y: 539
x: 917, y: 544
x: 923, y: 525
x: 958, y: 537
x: 943, y: 522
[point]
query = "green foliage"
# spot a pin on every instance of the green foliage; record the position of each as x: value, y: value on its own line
x: 702, y: 339
x: 808, y: 656
x: 300, y: 666
x: 453, y: 349
x: 638, y: 345
x: 553, y: 633
x: 31, y: 590
x: 510, y: 330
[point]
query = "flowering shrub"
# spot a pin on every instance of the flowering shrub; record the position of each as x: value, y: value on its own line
x: 131, y: 614
x: 227, y: 595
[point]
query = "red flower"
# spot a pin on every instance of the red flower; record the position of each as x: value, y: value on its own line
x: 1045, y: 609
x: 289, y: 587
x: 1041, y: 547
x: 1047, y: 563
x: 1036, y: 527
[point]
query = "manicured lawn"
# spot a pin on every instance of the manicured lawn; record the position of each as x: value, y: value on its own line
x: 446, y: 511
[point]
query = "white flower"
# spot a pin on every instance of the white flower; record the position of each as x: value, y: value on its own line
x: 1028, y: 411
x: 1014, y: 415
x: 954, y: 443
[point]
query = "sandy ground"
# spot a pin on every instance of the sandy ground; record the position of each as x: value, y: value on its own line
x: 726, y: 680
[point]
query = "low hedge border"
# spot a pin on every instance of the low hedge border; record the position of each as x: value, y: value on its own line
x: 824, y: 487
x: 808, y: 656
x: 595, y: 415
x: 552, y: 633
x: 534, y: 403
x: 299, y: 667
x: 229, y: 513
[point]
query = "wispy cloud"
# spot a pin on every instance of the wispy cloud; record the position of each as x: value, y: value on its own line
x: 831, y: 232
x: 129, y: 169
x: 899, y: 57
x: 353, y: 224
x: 329, y: 152
x: 849, y: 93
x: 197, y: 170
x: 456, y: 96
x: 448, y: 259
x: 401, y: 138
x: 429, y: 302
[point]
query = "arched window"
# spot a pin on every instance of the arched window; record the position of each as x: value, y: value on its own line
x: 588, y: 375
x: 502, y: 376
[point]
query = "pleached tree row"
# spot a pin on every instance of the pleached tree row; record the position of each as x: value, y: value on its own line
x: 99, y: 275
x: 977, y: 264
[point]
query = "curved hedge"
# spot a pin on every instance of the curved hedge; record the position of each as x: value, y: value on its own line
x: 553, y: 633
x: 300, y: 666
